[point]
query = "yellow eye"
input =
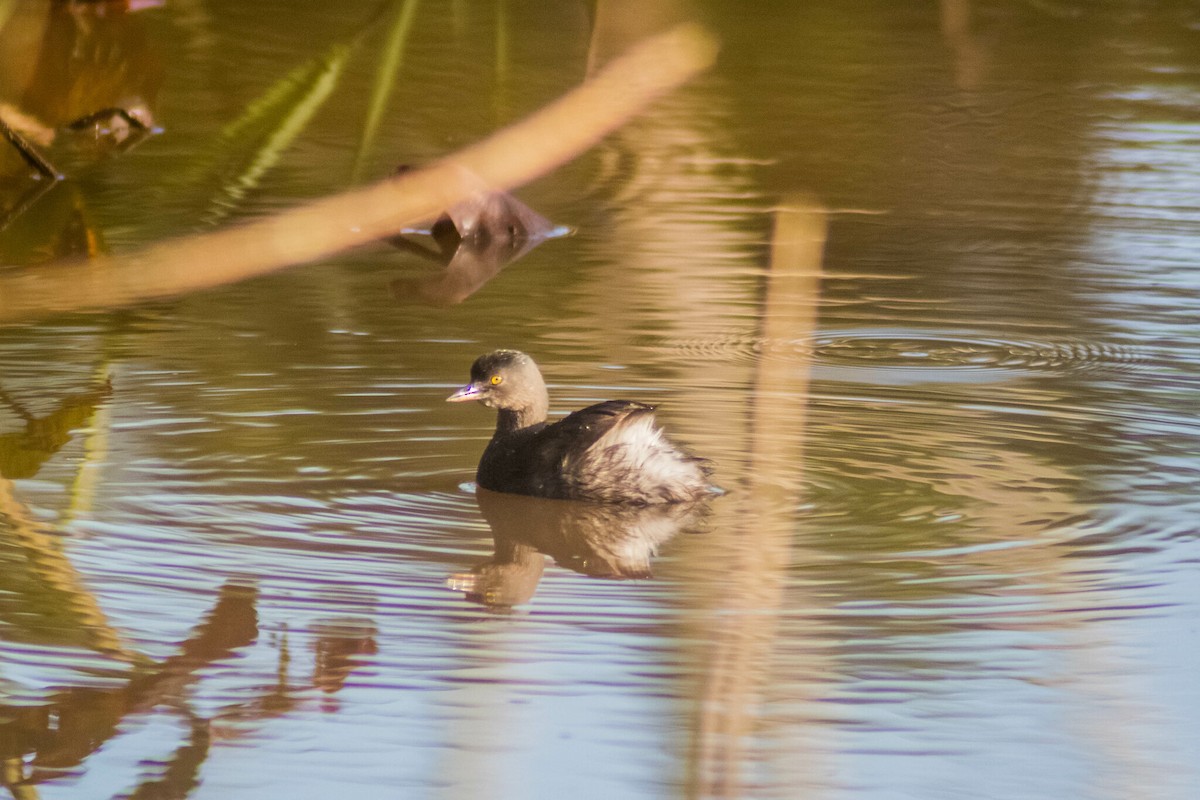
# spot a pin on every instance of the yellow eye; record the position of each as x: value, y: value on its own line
x: 497, y: 380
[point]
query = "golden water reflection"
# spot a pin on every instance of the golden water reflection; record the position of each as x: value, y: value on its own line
x: 593, y: 539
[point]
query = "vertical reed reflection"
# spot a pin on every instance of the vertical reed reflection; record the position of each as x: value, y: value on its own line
x: 969, y: 54
x: 753, y: 530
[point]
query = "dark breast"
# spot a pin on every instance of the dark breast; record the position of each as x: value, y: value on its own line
x: 567, y: 460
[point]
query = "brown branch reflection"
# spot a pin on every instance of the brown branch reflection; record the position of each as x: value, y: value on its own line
x: 38, y: 742
x: 339, y: 646
x: 81, y: 719
x: 47, y: 610
x: 594, y: 539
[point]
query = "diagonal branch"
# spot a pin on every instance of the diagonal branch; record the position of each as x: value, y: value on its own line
x: 317, y: 230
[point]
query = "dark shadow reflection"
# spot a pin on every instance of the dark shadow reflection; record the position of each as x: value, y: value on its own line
x: 47, y: 608
x: 473, y: 240
x: 37, y: 742
x: 338, y: 650
x: 594, y: 539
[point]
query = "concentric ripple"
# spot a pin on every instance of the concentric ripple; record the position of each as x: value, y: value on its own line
x: 925, y: 351
x: 922, y: 351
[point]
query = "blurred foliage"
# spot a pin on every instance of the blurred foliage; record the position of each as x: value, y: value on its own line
x: 254, y: 142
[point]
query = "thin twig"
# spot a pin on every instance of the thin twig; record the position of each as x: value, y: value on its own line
x: 28, y: 152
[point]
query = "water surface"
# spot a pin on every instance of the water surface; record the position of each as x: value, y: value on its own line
x: 921, y: 281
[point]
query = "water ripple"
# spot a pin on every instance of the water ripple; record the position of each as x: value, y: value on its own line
x: 928, y: 352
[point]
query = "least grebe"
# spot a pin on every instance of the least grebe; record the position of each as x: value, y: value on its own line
x: 611, y: 452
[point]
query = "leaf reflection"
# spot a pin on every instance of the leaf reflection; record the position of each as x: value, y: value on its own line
x: 42, y: 597
x: 391, y: 59
x: 594, y: 539
x: 23, y: 452
x: 247, y: 148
